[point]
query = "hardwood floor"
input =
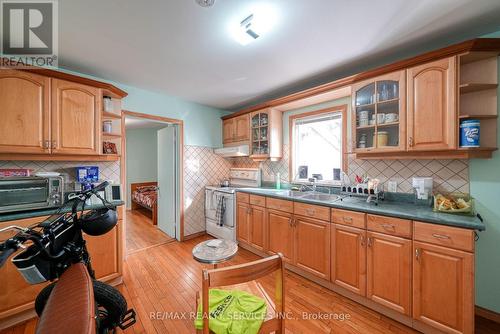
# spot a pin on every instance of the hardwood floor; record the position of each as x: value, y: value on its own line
x: 165, y: 279
x: 141, y: 233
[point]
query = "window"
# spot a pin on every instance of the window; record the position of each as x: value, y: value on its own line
x: 318, y: 145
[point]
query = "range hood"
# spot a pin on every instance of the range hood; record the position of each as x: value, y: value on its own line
x: 233, y: 151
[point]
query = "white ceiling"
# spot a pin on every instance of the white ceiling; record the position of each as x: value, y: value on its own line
x: 142, y: 123
x: 181, y: 49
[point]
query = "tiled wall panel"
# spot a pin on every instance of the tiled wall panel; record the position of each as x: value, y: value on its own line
x: 109, y: 170
x: 201, y: 168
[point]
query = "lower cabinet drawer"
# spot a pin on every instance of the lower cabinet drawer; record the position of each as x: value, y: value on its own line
x: 452, y: 237
x: 242, y: 198
x: 312, y: 211
x: 389, y: 225
x: 349, y: 218
x: 257, y: 200
x: 279, y: 204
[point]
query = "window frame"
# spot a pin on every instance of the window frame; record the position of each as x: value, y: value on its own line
x: 342, y: 109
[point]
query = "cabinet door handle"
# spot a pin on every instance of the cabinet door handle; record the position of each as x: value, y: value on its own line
x: 46, y: 144
x: 370, y: 241
x: 347, y: 220
x: 388, y: 226
x: 440, y: 236
x: 363, y: 240
x: 310, y: 212
x: 54, y: 144
x: 417, y: 254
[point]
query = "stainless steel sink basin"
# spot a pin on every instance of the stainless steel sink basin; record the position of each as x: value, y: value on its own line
x: 320, y: 197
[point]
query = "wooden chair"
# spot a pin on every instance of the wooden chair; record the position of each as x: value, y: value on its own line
x: 242, y: 277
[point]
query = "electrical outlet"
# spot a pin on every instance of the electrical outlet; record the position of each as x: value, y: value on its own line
x: 392, y: 186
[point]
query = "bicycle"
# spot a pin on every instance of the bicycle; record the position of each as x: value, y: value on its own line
x: 57, y: 245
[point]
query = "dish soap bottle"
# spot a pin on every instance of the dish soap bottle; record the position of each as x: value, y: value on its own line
x: 277, y: 178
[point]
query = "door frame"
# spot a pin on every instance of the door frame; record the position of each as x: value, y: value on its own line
x: 180, y: 125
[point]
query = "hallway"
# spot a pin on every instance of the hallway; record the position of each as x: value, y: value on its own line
x: 141, y: 233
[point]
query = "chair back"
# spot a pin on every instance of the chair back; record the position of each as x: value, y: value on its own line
x: 244, y: 273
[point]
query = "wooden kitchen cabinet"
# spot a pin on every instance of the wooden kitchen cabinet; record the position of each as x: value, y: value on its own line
x: 348, y: 258
x: 377, y: 98
x: 236, y: 129
x: 266, y: 141
x: 258, y: 227
x: 104, y: 247
x: 443, y: 288
x: 432, y: 111
x: 280, y: 233
x: 76, y: 118
x: 243, y: 222
x: 388, y: 271
x: 312, y: 246
x: 25, y: 112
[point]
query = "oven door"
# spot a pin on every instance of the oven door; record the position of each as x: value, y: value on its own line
x: 23, y: 194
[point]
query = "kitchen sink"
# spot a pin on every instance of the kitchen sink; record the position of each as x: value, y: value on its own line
x: 320, y: 197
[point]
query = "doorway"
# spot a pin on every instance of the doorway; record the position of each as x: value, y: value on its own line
x: 153, y: 151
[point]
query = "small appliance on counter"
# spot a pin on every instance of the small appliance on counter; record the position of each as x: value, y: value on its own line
x: 30, y: 193
x: 423, y: 187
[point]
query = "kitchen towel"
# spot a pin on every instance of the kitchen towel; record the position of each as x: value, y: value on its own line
x: 221, y: 209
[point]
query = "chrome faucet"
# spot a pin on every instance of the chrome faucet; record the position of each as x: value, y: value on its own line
x: 304, y: 187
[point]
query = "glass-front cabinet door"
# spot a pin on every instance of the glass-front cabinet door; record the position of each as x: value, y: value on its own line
x: 378, y: 116
x: 260, y: 133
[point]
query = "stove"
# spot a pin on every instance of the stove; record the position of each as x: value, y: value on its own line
x: 239, y: 178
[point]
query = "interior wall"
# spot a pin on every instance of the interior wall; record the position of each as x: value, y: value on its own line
x: 484, y: 186
x: 141, y: 157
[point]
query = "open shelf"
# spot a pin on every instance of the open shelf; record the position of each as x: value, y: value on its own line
x: 111, y: 135
x: 110, y: 115
x: 478, y: 116
x: 472, y: 57
x: 476, y: 87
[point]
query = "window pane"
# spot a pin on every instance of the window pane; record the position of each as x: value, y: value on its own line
x: 318, y: 145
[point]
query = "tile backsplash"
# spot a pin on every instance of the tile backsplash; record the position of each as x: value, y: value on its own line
x: 109, y: 170
x: 202, y: 167
x: 449, y: 175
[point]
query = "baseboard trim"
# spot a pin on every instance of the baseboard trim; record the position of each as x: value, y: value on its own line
x: 194, y: 235
x: 487, y: 314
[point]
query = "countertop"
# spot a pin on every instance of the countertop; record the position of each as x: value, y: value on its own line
x: 385, y: 208
x: 47, y: 212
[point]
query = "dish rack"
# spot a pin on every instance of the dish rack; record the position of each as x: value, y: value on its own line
x: 361, y: 190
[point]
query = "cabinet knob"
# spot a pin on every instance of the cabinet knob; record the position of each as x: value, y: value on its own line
x: 370, y: 241
x: 54, y: 144
x: 417, y: 254
x: 362, y: 240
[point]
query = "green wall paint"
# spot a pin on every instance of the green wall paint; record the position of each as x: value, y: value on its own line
x: 202, y: 124
x: 142, y: 146
x: 485, y: 187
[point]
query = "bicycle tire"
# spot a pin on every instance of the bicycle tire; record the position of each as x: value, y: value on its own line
x: 108, y: 299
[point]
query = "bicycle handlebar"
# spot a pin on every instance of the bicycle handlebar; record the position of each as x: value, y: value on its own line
x: 9, y: 246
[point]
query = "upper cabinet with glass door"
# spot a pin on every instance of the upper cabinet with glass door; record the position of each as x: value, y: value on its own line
x: 266, y: 134
x: 379, y: 110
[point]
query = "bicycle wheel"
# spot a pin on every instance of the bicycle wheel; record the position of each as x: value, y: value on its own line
x: 111, y: 305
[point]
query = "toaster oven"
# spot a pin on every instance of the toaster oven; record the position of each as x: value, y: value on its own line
x: 29, y: 193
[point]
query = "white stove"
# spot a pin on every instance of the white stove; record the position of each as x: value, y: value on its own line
x: 239, y: 178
